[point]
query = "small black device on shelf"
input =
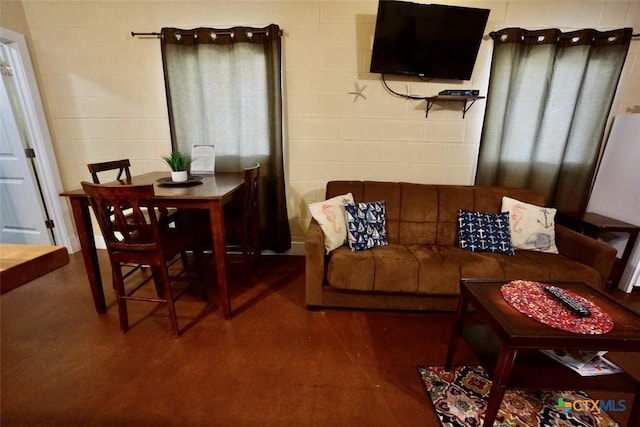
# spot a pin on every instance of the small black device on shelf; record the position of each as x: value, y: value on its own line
x: 460, y: 92
x: 568, y: 301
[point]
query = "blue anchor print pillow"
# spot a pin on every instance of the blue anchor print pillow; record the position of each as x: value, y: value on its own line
x: 484, y: 232
x: 366, y: 225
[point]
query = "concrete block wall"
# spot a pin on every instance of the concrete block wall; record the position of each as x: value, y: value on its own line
x: 105, y: 99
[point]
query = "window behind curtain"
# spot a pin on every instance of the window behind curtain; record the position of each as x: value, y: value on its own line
x: 549, y: 97
x: 224, y: 88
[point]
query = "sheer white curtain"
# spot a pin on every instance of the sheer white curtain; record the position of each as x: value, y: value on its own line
x: 224, y: 88
x: 549, y: 97
x: 216, y: 98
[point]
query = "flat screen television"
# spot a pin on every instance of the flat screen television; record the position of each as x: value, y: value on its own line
x: 427, y: 40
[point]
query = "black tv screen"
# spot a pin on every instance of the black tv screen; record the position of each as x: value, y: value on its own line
x: 427, y: 40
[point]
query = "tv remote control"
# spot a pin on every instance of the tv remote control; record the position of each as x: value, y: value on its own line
x: 567, y: 301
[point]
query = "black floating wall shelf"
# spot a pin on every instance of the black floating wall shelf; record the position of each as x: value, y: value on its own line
x: 468, y: 102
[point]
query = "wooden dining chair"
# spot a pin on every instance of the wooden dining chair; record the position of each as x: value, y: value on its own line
x: 115, y: 169
x: 122, y: 166
x: 242, y: 221
x: 110, y: 167
x: 133, y: 234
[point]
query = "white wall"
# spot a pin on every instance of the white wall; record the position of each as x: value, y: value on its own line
x: 616, y: 191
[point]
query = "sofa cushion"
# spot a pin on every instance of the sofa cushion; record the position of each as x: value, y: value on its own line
x: 366, y: 225
x: 532, y: 226
x: 450, y: 199
x: 441, y: 267
x: 437, y: 270
x: 391, y: 268
x: 351, y: 271
x: 419, y: 214
x: 330, y: 215
x: 484, y: 232
x: 533, y: 265
x: 427, y: 214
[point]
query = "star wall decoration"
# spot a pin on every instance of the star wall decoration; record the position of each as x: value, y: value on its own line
x: 358, y: 92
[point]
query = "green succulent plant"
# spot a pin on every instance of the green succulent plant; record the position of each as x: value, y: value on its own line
x: 178, y: 161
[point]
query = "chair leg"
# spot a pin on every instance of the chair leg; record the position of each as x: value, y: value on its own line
x: 157, y: 280
x: 173, y: 318
x: 118, y: 284
x: 184, y: 258
x: 245, y: 246
x: 198, y: 256
x: 255, y: 239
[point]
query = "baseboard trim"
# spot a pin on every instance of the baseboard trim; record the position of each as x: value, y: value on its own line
x: 100, y: 244
x: 297, y: 248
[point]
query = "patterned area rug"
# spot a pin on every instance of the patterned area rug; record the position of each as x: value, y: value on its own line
x: 459, y: 397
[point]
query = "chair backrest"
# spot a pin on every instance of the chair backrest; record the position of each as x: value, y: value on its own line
x: 251, y: 177
x: 122, y: 166
x: 130, y: 236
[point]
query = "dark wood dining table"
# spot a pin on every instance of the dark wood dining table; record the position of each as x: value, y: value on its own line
x: 211, y: 193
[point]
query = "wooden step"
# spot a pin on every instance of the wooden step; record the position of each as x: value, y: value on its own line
x: 19, y: 264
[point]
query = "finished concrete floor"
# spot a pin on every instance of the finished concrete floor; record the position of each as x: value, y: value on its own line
x: 274, y: 364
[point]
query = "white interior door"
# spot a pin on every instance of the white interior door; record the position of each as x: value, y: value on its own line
x: 22, y: 213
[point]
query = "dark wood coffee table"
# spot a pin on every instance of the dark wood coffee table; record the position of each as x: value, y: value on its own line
x: 507, y: 343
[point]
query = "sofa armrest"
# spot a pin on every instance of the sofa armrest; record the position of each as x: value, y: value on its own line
x: 586, y: 250
x: 314, y: 264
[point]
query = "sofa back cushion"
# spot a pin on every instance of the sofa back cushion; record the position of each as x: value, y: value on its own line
x: 425, y: 213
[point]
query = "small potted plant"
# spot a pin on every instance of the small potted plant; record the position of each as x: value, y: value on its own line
x: 179, y: 164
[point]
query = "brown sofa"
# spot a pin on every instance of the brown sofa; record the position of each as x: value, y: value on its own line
x: 421, y: 266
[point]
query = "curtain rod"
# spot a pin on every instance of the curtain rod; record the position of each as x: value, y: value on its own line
x: 158, y: 35
x: 133, y: 34
x: 492, y: 34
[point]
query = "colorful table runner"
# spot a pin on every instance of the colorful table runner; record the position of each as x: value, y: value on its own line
x: 530, y: 299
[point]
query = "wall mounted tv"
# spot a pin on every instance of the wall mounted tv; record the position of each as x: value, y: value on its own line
x: 427, y: 40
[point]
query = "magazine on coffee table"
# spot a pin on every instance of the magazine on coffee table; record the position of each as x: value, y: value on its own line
x: 585, y: 363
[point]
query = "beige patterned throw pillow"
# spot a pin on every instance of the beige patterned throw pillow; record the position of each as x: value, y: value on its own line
x: 330, y: 215
x: 532, y: 227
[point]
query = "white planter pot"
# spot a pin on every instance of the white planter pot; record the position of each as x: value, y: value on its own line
x: 179, y: 176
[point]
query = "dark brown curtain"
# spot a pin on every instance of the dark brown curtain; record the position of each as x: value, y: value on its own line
x: 224, y: 87
x: 549, y: 97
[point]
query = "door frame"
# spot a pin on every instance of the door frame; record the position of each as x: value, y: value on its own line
x: 45, y: 161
